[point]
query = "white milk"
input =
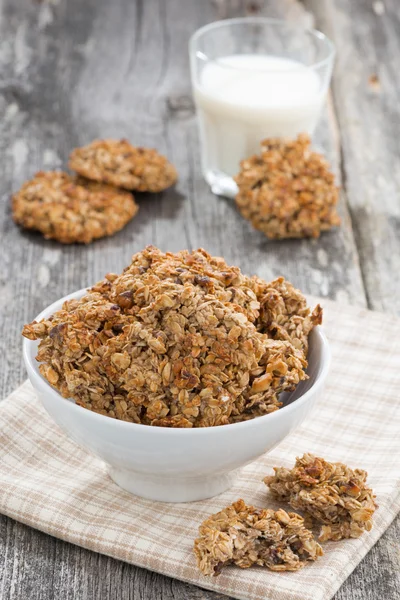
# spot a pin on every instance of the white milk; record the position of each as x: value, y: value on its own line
x: 242, y: 99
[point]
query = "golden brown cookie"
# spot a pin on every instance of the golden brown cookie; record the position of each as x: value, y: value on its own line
x: 71, y: 209
x: 119, y: 163
x: 245, y: 536
x: 332, y: 494
x: 288, y: 191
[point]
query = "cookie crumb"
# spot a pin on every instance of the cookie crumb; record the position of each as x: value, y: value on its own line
x: 374, y: 82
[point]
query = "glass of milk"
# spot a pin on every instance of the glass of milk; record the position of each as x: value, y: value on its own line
x: 254, y: 78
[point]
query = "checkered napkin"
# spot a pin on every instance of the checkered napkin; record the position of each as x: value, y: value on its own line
x: 49, y: 483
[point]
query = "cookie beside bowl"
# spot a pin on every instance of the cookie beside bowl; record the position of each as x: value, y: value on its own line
x: 178, y: 465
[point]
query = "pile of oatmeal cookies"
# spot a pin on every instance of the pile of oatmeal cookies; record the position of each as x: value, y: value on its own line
x: 331, y: 496
x: 288, y: 191
x: 178, y: 340
x: 184, y: 340
x: 98, y: 200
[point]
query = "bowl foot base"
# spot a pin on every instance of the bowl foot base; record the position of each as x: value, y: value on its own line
x: 172, y: 489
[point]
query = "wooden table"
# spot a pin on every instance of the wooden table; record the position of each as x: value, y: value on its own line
x: 75, y: 70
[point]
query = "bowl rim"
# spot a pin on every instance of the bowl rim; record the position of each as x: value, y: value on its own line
x: 40, y: 382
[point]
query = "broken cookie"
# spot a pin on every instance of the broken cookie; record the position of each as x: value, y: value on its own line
x: 284, y: 312
x: 331, y: 493
x: 246, y: 536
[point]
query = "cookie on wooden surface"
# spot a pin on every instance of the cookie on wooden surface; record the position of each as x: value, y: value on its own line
x: 71, y: 209
x: 288, y: 191
x: 119, y: 163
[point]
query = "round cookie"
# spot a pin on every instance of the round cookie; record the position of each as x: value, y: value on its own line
x: 288, y: 191
x: 119, y: 163
x: 71, y: 209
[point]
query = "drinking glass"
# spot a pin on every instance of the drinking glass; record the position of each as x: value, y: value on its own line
x: 254, y: 78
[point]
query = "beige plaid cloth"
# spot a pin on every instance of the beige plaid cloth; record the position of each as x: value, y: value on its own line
x: 49, y: 483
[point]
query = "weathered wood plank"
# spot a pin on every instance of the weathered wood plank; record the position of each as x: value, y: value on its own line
x: 72, y: 71
x: 366, y: 89
x: 367, y: 37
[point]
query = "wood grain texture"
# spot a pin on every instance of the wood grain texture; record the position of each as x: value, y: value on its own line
x: 72, y: 71
x: 367, y: 37
x: 366, y: 89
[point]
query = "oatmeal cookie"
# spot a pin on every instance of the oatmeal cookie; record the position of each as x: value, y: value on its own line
x: 246, y: 536
x: 284, y: 313
x: 288, y: 191
x: 172, y: 341
x: 71, y: 209
x: 119, y: 163
x: 331, y: 493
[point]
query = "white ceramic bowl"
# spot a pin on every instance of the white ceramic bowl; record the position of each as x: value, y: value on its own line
x: 178, y: 465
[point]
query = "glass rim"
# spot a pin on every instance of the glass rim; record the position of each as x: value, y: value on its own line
x: 315, y: 33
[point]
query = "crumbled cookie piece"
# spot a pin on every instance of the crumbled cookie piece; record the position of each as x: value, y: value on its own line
x: 71, y: 209
x: 330, y: 493
x: 284, y: 313
x: 280, y: 369
x: 119, y: 163
x: 288, y: 191
x: 246, y: 536
x: 172, y: 342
